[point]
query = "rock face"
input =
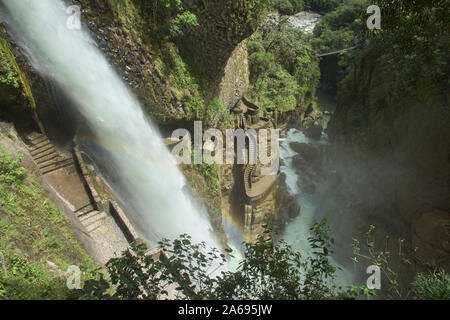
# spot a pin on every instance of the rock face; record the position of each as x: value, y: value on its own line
x: 287, y: 202
x: 398, y: 145
x: 216, y: 50
x: 223, y: 25
x: 235, y: 81
x: 309, y: 161
x: 125, y: 47
x: 431, y: 237
x: 312, y: 123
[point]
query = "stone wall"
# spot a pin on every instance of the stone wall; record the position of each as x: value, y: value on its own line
x: 235, y: 81
x: 259, y: 214
x: 223, y: 25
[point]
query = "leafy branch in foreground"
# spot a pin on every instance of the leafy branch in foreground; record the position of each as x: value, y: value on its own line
x: 380, y: 258
x: 435, y: 285
x: 269, y: 270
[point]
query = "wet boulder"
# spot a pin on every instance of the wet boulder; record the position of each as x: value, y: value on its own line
x: 312, y: 124
x: 293, y: 210
x: 306, y: 186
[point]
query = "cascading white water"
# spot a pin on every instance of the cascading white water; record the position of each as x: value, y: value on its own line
x: 297, y: 231
x: 151, y: 185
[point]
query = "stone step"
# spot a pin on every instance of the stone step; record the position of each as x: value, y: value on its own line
x: 84, y: 209
x: 88, y: 215
x: 54, y: 162
x: 38, y: 139
x: 94, y: 226
x: 95, y: 220
x: 42, y: 144
x: 94, y: 217
x: 44, y: 154
x: 57, y: 166
x: 34, y: 136
x: 50, y: 157
x: 37, y: 153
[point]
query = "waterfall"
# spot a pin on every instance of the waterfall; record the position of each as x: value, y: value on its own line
x: 148, y: 182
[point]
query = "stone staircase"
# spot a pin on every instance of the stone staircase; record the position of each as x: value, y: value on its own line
x: 49, y: 160
x: 90, y: 218
x: 249, y: 168
x: 45, y: 155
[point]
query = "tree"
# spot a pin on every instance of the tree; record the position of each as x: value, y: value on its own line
x: 175, y: 15
x: 283, y: 67
x: 269, y: 270
x: 285, y: 7
x: 419, y: 25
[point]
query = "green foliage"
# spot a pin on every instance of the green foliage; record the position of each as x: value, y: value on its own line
x: 340, y: 29
x: 420, y: 26
x: 380, y: 258
x: 184, y: 19
x: 284, y: 7
x: 434, y: 286
x: 323, y: 5
x: 412, y: 43
x: 7, y: 73
x: 137, y: 274
x: 269, y: 270
x: 211, y: 173
x: 406, y: 63
x: 218, y: 112
x: 283, y: 67
x: 415, y: 39
x: 183, y: 84
x: 166, y: 18
x: 33, y: 231
x: 273, y: 270
x: 175, y: 18
x: 11, y: 170
x: 10, y: 72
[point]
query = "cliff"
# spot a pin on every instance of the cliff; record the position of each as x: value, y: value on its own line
x: 394, y: 167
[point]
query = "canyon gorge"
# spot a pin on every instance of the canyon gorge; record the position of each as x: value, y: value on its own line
x: 364, y: 134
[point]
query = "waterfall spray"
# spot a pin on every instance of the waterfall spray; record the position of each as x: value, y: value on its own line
x: 149, y: 183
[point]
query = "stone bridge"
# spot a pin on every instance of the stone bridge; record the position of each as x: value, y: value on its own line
x: 338, y: 51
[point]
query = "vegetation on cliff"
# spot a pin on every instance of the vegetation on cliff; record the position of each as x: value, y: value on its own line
x: 407, y: 57
x: 37, y: 243
x: 393, y: 115
x: 284, y: 70
x: 16, y: 96
x: 154, y: 19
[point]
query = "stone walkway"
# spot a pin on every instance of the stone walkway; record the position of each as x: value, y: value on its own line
x: 259, y: 188
x: 61, y: 174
